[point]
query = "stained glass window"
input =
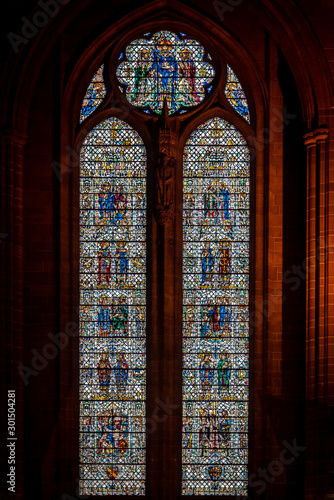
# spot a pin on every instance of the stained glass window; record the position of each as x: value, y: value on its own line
x: 235, y: 94
x: 94, y: 95
x: 112, y: 311
x: 165, y: 66
x: 215, y: 310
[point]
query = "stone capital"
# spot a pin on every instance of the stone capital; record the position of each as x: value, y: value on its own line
x: 315, y: 136
x: 15, y: 136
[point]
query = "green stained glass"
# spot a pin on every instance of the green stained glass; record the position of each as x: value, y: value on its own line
x: 112, y: 311
x: 94, y: 95
x: 235, y: 94
x: 215, y: 311
x: 165, y: 66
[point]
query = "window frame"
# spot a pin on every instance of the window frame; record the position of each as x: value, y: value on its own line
x: 145, y: 126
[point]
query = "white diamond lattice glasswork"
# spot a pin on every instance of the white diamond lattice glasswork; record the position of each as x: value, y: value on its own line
x: 112, y: 311
x: 215, y: 311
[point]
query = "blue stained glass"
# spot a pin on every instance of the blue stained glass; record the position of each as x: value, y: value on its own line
x: 215, y: 311
x: 94, y: 95
x: 165, y: 67
x: 112, y: 311
x: 235, y: 94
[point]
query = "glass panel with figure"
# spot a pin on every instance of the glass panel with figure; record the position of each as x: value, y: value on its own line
x: 165, y: 66
x: 112, y: 311
x: 215, y: 310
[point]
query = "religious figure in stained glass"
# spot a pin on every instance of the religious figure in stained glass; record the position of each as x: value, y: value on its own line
x: 104, y: 264
x: 120, y: 316
x: 120, y: 205
x: 224, y: 427
x: 104, y: 372
x: 206, y: 375
x: 104, y: 317
x: 112, y: 310
x: 165, y: 66
x: 121, y: 373
x: 225, y: 315
x: 142, y: 76
x: 187, y: 70
x: 210, y: 202
x: 122, y: 264
x: 106, y: 202
x: 215, y: 296
x: 224, y: 197
x: 223, y: 372
x: 205, y: 324
x: 158, y: 68
x: 207, y: 260
x: 114, y: 440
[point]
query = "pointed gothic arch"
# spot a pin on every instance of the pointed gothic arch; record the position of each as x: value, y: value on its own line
x: 22, y: 154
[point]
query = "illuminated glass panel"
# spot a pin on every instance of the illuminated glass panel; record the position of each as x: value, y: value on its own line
x: 94, y: 96
x: 112, y: 311
x: 215, y: 310
x: 235, y: 94
x: 165, y: 66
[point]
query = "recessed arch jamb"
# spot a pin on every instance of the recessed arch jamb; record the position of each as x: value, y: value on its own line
x: 304, y: 53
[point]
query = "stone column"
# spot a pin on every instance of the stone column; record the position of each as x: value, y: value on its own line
x: 11, y: 248
x: 319, y: 318
x: 316, y: 254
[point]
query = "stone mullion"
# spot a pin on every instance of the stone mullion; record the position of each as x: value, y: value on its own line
x: 164, y: 415
x: 161, y: 417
